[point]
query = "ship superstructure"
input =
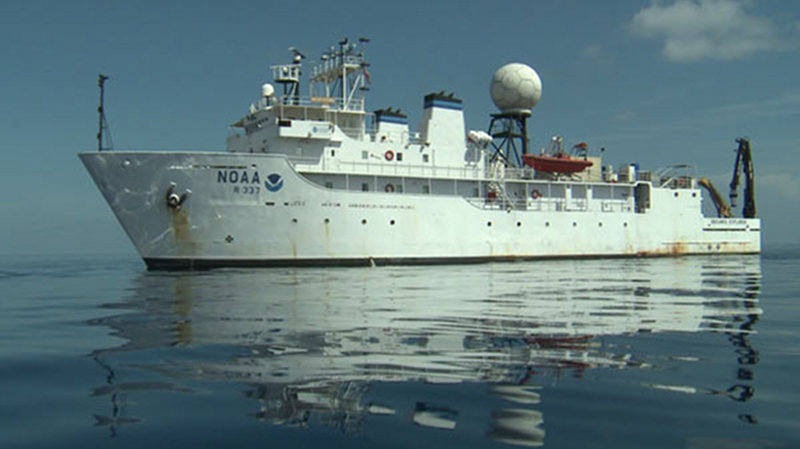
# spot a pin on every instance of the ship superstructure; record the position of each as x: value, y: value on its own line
x: 317, y: 179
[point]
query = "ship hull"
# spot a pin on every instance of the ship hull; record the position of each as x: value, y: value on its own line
x: 258, y: 210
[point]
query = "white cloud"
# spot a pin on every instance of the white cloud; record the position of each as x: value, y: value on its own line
x: 625, y: 116
x: 785, y: 104
x: 592, y: 52
x: 785, y: 185
x: 694, y: 30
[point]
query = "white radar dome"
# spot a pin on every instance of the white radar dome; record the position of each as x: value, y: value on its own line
x: 516, y: 87
x: 267, y: 90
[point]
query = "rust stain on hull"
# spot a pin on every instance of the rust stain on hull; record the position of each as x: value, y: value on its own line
x: 677, y: 248
x: 670, y: 249
x: 181, y: 229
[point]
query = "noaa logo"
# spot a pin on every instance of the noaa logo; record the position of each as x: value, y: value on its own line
x: 274, y: 182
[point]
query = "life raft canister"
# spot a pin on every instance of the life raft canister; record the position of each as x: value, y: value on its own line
x: 389, y: 155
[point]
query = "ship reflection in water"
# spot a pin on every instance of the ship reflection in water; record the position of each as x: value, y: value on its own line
x: 310, y: 346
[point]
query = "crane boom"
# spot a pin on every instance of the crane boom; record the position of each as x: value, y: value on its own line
x: 723, y: 210
x: 744, y: 165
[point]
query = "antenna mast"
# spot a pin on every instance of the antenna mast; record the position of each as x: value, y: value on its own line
x: 102, y: 124
x: 343, y: 74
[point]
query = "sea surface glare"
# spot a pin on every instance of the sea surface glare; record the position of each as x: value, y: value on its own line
x: 691, y: 352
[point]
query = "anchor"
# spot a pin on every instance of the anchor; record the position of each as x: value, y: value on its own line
x: 174, y: 201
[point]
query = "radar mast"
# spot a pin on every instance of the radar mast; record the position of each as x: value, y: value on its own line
x: 515, y: 90
x: 288, y: 76
x: 341, y: 76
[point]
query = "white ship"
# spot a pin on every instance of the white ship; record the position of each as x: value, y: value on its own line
x: 316, y: 180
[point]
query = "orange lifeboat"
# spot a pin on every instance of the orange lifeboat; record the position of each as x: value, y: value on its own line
x: 558, y: 161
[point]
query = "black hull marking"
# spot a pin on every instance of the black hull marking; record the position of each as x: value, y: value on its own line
x: 184, y: 264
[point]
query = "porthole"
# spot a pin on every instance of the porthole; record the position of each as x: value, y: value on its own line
x: 574, y: 224
x: 546, y: 224
x: 489, y: 223
x: 294, y: 220
x: 519, y: 224
x: 391, y: 222
x: 327, y: 220
x: 676, y: 194
x: 364, y: 221
x: 600, y: 224
x: 624, y: 224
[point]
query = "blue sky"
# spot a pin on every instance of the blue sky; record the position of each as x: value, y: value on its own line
x: 653, y: 82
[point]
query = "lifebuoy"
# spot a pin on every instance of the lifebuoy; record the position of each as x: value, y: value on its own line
x: 389, y: 155
x: 389, y: 188
x: 535, y: 194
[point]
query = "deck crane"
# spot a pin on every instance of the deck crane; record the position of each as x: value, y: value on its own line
x: 744, y: 164
x: 723, y: 210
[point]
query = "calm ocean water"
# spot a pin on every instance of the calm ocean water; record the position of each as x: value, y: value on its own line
x: 697, y: 352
